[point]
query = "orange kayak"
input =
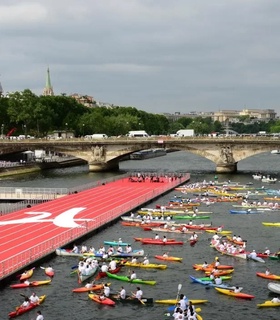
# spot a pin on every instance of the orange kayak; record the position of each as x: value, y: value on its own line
x: 234, y: 294
x: 210, y: 268
x: 221, y: 272
x: 268, y: 276
x: 95, y: 287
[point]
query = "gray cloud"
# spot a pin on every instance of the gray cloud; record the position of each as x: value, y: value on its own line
x: 162, y: 56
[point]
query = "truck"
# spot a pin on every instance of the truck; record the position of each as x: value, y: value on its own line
x: 138, y: 134
x: 185, y: 133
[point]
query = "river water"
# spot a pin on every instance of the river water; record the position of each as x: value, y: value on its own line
x: 61, y: 303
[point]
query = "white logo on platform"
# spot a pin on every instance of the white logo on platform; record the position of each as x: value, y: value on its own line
x: 64, y: 220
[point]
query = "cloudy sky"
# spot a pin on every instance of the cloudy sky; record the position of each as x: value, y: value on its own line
x: 156, y: 55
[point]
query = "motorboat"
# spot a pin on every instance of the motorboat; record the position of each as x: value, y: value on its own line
x: 277, y: 151
x: 257, y: 176
x: 268, y: 179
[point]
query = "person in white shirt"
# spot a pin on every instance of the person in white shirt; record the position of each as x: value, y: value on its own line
x: 253, y: 254
x: 239, y: 239
x: 104, y: 267
x: 237, y: 289
x: 122, y: 293
x: 275, y: 300
x: 215, y: 237
x: 120, y: 249
x: 133, y: 275
x: 106, y: 290
x: 218, y: 280
x: 146, y: 261
x: 156, y: 236
x: 128, y: 248
x: 84, y: 248
x: 26, y: 303
x: 39, y: 316
x: 75, y: 249
x: 164, y: 239
x: 267, y: 272
x: 113, y: 265
x: 267, y: 251
x: 134, y: 260
x: 34, y: 298
x: 138, y: 294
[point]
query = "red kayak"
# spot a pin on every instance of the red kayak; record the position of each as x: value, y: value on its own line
x: 20, y: 310
x: 107, y: 301
x: 161, y: 242
x: 104, y: 274
x: 31, y: 284
x: 49, y: 272
x: 150, y: 239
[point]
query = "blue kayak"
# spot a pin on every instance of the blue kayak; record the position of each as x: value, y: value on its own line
x: 116, y: 243
x: 248, y: 211
x: 211, y: 283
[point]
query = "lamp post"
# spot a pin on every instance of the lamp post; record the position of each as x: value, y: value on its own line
x: 2, y: 130
x: 66, y: 129
x: 24, y: 126
x: 83, y: 129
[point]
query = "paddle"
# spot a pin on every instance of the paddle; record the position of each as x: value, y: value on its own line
x: 178, y: 292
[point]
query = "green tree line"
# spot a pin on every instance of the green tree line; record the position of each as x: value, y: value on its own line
x: 39, y: 116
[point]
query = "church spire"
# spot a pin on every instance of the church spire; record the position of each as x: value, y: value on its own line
x: 48, y: 90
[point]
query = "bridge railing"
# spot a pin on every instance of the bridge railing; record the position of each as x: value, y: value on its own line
x: 11, y: 265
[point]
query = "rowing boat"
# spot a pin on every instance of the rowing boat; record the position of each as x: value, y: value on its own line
x: 84, y: 276
x: 235, y: 294
x: 31, y: 284
x: 20, y: 310
x: 169, y: 258
x: 67, y: 253
x: 96, y: 298
x: 127, y: 279
x: 268, y: 276
x: 142, y: 265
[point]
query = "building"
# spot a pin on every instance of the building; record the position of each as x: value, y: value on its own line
x: 233, y: 115
x: 48, y: 90
x: 87, y: 101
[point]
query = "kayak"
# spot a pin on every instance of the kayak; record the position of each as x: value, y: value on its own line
x: 31, y: 284
x: 150, y: 265
x: 210, y: 268
x: 102, y: 274
x: 271, y: 224
x: 150, y: 239
x: 191, y: 217
x: 219, y: 232
x: 274, y: 287
x: 211, y: 283
x: 67, y: 253
x: 20, y: 310
x: 234, y: 294
x: 268, y: 304
x: 49, y: 272
x: 209, y: 279
x: 161, y: 242
x: 169, y: 258
x: 116, y: 243
x: 249, y: 211
x: 174, y: 301
x: 132, y: 300
x: 107, y: 301
x: 84, y: 276
x: 134, y: 253
x: 95, y: 287
x: 257, y: 259
x: 221, y: 272
x: 268, y: 276
x: 274, y: 257
x: 27, y: 274
x: 125, y: 278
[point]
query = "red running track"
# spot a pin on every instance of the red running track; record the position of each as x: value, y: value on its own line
x: 31, y: 233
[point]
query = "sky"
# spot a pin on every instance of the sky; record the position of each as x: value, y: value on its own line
x: 158, y: 56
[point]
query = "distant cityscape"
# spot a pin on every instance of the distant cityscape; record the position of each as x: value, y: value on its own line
x: 222, y: 116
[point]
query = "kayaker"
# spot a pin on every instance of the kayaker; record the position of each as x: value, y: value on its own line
x: 34, y: 298
x: 165, y: 255
x: 156, y: 236
x: 267, y: 272
x: 146, y: 261
x: 27, y: 282
x: 26, y: 303
x: 132, y: 275
x: 106, y: 290
x: 164, y: 239
x: 275, y: 300
x: 39, y: 315
x: 122, y: 293
x: 102, y: 296
x: 84, y: 249
x: 104, y: 267
x: 75, y: 249
x: 90, y: 284
x: 183, y: 302
x: 253, y: 254
x: 134, y: 260
x: 267, y: 251
x: 120, y: 249
x: 191, y: 314
x: 128, y: 249
x: 205, y: 265
x: 237, y: 289
x: 113, y: 264
x: 218, y: 280
x: 217, y: 262
x: 138, y: 294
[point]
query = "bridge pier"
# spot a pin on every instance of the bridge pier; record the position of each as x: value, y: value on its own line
x: 226, y: 168
x: 104, y: 166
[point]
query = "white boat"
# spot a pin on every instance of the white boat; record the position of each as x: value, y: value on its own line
x: 275, y: 151
x: 67, y: 253
x: 257, y: 176
x: 268, y: 179
x: 274, y: 287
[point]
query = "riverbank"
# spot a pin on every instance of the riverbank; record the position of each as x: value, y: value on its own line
x: 38, y: 166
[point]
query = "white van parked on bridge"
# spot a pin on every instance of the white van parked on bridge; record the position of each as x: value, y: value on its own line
x: 97, y: 136
x: 138, y: 134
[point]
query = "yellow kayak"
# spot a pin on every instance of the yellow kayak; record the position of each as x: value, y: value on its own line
x: 174, y: 301
x: 141, y: 265
x: 271, y: 224
x: 219, y: 232
x: 268, y: 304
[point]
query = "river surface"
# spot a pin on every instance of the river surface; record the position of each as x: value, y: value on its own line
x: 61, y: 303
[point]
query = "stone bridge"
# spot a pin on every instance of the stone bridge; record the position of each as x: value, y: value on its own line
x: 104, y: 155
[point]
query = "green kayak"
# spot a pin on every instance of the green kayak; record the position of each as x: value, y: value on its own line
x: 191, y: 218
x: 125, y: 278
x: 275, y: 257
